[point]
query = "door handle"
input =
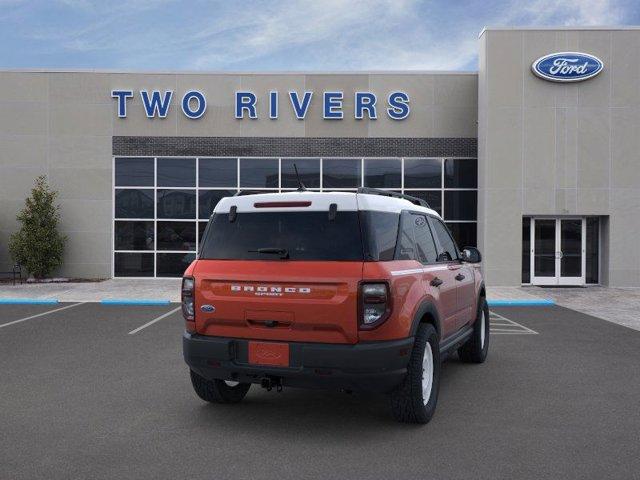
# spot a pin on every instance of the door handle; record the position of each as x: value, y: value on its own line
x: 459, y: 277
x: 436, y: 282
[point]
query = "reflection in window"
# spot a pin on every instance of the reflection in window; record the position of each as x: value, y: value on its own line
x: 340, y: 173
x: 176, y: 172
x: 460, y: 173
x: 218, y: 172
x: 134, y: 203
x: 465, y: 234
x: 422, y: 173
x: 208, y: 199
x: 173, y: 264
x: 308, y: 168
x: 176, y: 203
x: 134, y: 172
x: 460, y: 205
x: 383, y: 173
x: 176, y: 236
x: 134, y: 235
x: 259, y: 173
x: 133, y: 264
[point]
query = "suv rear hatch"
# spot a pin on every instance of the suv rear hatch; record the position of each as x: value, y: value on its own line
x: 275, y: 269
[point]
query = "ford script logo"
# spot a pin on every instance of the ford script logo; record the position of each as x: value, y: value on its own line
x: 567, y: 66
x: 208, y: 308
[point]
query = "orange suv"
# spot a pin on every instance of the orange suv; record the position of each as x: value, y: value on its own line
x: 361, y: 291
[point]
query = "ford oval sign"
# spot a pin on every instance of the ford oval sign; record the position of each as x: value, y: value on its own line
x: 567, y: 67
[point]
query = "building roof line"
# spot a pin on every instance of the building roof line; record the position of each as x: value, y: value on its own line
x: 562, y: 27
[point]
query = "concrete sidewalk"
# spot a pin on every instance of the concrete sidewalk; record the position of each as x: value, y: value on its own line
x: 114, y: 289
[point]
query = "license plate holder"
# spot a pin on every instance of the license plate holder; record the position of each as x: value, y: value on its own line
x: 269, y: 353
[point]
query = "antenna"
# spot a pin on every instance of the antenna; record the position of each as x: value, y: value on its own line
x: 301, y: 187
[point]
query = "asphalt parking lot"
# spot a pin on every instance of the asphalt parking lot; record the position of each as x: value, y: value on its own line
x: 87, y: 393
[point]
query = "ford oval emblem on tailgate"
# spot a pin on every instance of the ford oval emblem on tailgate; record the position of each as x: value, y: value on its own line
x: 208, y: 308
x: 567, y: 66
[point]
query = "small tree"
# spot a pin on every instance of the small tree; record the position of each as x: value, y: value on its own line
x: 38, y: 245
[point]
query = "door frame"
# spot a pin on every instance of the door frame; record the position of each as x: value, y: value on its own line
x: 558, y: 279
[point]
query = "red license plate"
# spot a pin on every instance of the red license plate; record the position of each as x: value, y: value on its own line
x: 266, y: 353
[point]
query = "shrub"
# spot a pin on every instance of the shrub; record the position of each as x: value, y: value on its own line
x: 38, y: 245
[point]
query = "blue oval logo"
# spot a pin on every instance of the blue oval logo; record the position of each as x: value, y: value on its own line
x: 208, y: 308
x: 567, y: 67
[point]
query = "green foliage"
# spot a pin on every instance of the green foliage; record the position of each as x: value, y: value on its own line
x: 38, y: 246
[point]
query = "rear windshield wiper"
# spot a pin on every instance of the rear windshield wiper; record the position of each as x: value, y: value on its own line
x: 283, y: 252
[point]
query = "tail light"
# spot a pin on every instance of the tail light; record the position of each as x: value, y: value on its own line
x: 375, y: 304
x: 188, y: 309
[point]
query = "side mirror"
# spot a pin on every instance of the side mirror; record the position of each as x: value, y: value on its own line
x: 471, y: 255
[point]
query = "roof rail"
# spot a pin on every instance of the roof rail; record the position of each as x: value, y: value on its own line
x: 387, y: 193
x: 242, y: 193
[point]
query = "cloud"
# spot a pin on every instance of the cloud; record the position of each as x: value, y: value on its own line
x: 281, y: 34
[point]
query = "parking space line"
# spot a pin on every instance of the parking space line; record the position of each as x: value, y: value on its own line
x: 503, y: 326
x: 39, y: 314
x: 165, y: 315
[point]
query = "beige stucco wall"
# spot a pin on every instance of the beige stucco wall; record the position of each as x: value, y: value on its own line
x: 61, y: 124
x: 558, y: 149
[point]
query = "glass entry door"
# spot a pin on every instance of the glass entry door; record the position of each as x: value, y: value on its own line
x: 558, y: 251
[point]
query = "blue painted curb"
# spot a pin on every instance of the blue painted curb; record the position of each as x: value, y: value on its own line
x: 118, y: 301
x: 521, y: 303
x: 28, y: 301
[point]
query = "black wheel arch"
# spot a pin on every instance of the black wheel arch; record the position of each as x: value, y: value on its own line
x: 426, y: 313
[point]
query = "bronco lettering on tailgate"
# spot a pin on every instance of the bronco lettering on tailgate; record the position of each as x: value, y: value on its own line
x: 269, y: 290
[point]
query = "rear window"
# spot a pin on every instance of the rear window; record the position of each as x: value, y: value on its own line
x: 303, y: 235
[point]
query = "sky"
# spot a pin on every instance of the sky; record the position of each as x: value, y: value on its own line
x: 275, y: 35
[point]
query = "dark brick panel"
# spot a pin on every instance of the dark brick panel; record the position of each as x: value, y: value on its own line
x: 294, y: 146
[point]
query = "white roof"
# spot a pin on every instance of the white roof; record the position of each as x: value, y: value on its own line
x: 320, y: 201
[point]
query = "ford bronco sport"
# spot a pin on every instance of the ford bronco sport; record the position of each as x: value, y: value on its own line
x: 354, y: 291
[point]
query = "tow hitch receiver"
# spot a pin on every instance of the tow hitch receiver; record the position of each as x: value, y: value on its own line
x: 269, y: 383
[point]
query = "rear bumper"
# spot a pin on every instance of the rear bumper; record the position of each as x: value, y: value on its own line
x: 370, y: 366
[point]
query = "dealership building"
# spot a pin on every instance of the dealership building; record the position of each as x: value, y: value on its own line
x: 533, y: 158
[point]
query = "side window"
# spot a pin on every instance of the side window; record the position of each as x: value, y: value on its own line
x: 405, y: 249
x: 449, y: 250
x: 425, y: 245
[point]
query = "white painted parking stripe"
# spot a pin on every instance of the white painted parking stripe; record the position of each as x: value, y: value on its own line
x: 39, y: 315
x: 154, y: 321
x: 503, y: 326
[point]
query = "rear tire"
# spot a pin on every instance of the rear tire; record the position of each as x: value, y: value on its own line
x: 414, y: 401
x: 477, y: 347
x: 218, y: 391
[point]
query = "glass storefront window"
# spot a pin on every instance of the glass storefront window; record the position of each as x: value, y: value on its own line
x: 134, y: 172
x: 134, y: 235
x: 157, y: 228
x: 218, y: 172
x: 526, y: 250
x: 592, y: 254
x: 176, y: 236
x: 422, y: 173
x: 134, y: 203
x: 460, y: 173
x: 308, y: 169
x: 176, y: 172
x: 383, y: 173
x: 176, y: 203
x: 460, y: 205
x: 208, y: 199
x: 258, y: 173
x: 464, y: 233
x: 341, y: 173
